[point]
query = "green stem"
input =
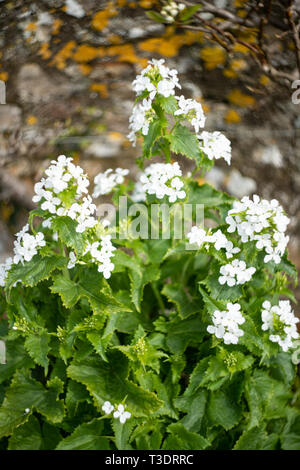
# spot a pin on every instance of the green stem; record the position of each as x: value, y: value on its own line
x: 158, y: 297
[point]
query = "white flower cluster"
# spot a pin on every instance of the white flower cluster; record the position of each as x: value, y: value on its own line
x: 25, y: 247
x: 281, y: 322
x: 192, y: 111
x: 138, y: 193
x: 218, y: 239
x: 105, y: 182
x: 156, y: 78
x: 226, y: 324
x: 215, y: 145
x: 263, y: 221
x: 102, y: 257
x: 163, y: 179
x: 64, y: 175
x: 4, y: 268
x: 171, y: 10
x: 235, y: 273
x: 118, y: 413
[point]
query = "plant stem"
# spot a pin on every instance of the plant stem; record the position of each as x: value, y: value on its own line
x: 158, y: 297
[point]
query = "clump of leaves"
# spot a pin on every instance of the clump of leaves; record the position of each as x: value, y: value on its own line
x: 140, y: 342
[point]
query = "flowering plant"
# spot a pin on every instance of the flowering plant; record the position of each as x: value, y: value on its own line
x: 125, y: 334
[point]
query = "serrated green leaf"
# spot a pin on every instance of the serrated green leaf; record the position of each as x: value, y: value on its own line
x: 16, y: 358
x: 26, y: 437
x: 25, y: 392
x: 223, y: 411
x: 194, y: 406
x: 92, y: 286
x: 190, y: 440
x: 154, y: 133
x: 35, y: 271
x: 184, y: 142
x: 122, y: 433
x: 186, y: 306
x: 252, y: 439
x: 37, y: 346
x: 150, y: 274
x: 66, y: 229
x: 108, y: 381
x: 184, y: 333
x: 86, y: 436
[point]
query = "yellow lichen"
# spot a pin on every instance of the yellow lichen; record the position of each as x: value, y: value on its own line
x: 169, y: 46
x: 31, y: 120
x: 85, y: 69
x: 114, y: 39
x: 85, y: 53
x: 101, y: 18
x: 44, y: 51
x: 100, y: 88
x: 238, y: 98
x: 3, y: 76
x: 213, y: 57
x: 59, y: 60
x: 31, y: 27
x: 57, y: 24
x: 232, y: 117
x: 125, y: 53
x: 264, y: 80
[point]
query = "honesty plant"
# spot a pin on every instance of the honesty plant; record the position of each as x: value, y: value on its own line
x: 150, y: 342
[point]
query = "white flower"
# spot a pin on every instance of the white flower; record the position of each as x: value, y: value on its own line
x: 122, y: 414
x: 215, y: 145
x: 105, y: 182
x: 192, y: 110
x: 4, y: 269
x: 163, y: 179
x: 261, y: 221
x: 107, y: 407
x: 72, y: 261
x: 235, y: 273
x: 166, y: 88
x: 101, y: 254
x: 26, y: 245
x: 281, y: 322
x: 197, y: 235
x: 226, y: 324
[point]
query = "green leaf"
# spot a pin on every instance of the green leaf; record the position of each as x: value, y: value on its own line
x: 25, y: 392
x: 169, y: 104
x: 153, y: 15
x: 188, y: 12
x: 194, y: 406
x: 92, y: 286
x: 183, y: 333
x: 208, y: 196
x: 290, y: 437
x: 154, y: 133
x: 122, y: 433
x: 138, y: 282
x: 26, y: 437
x: 185, y: 304
x: 184, y: 142
x: 37, y: 346
x: 86, y: 436
x: 223, y: 411
x: 16, y: 358
x: 35, y: 271
x: 251, y: 439
x: 109, y: 381
x: 66, y: 229
x: 190, y: 440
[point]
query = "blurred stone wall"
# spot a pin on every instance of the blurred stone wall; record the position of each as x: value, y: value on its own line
x: 68, y: 67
